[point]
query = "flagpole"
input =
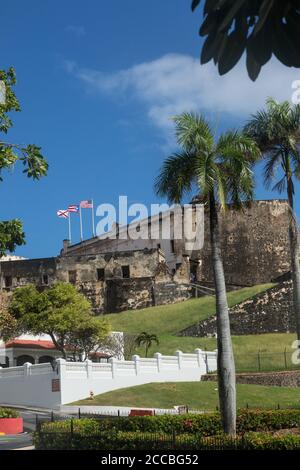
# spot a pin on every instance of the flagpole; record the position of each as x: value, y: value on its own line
x: 93, y: 218
x: 81, y: 232
x: 70, y: 233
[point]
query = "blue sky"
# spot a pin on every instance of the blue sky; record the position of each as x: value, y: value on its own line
x: 98, y: 82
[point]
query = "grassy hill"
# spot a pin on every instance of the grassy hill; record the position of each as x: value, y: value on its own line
x: 252, y: 353
x: 197, y: 395
x: 268, y: 351
x: 170, y: 319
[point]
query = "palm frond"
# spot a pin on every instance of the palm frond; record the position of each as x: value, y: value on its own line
x: 237, y: 154
x: 193, y: 132
x: 273, y: 162
x: 280, y: 186
x: 234, y: 144
x: 176, y: 177
x: 206, y: 173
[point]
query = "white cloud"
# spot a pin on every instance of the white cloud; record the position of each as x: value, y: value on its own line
x: 78, y: 30
x: 175, y: 83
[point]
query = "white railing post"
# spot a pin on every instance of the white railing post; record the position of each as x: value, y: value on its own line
x: 89, y: 368
x: 179, y: 357
x: 26, y: 369
x: 112, y: 360
x: 158, y: 357
x: 137, y: 364
x: 61, y: 368
x: 199, y: 353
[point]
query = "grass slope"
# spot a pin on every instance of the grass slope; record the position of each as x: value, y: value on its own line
x: 167, y: 320
x: 196, y: 395
x: 170, y: 319
x: 271, y: 348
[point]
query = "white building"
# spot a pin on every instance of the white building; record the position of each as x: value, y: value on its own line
x: 40, y: 350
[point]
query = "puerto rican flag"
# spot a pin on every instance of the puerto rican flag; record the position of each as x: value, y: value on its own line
x: 63, y: 213
x: 73, y: 208
x: 88, y: 204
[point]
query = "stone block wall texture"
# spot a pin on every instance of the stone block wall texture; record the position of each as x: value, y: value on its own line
x: 268, y: 312
x: 275, y: 379
x: 125, y: 294
x: 255, y: 244
x: 150, y: 282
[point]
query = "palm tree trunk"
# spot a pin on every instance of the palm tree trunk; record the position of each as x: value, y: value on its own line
x: 226, y: 366
x: 295, y: 266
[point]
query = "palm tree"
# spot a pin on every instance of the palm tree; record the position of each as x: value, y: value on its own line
x: 277, y: 132
x: 222, y: 171
x: 146, y: 339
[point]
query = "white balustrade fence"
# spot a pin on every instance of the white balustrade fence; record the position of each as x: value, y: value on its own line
x: 49, y: 387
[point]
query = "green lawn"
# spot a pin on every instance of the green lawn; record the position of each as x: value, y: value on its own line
x: 170, y: 319
x: 196, y: 395
x: 271, y: 349
x: 266, y: 351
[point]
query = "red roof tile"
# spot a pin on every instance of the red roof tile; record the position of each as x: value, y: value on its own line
x: 30, y: 344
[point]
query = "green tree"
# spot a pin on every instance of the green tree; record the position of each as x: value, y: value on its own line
x: 30, y: 157
x: 146, y: 339
x: 259, y: 27
x: 277, y: 132
x: 89, y: 336
x: 62, y: 313
x: 222, y: 172
x: 8, y: 325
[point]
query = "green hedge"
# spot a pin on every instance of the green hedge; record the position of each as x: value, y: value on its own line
x: 157, y: 432
x: 8, y: 413
x: 149, y: 441
x: 208, y: 424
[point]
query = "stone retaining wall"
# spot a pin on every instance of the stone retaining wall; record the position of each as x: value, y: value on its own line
x: 276, y: 379
x: 268, y: 312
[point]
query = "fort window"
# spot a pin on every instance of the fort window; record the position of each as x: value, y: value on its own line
x: 172, y: 242
x: 100, y: 274
x: 159, y: 246
x: 72, y: 276
x: 125, y: 272
x: 45, y: 279
x: 8, y: 281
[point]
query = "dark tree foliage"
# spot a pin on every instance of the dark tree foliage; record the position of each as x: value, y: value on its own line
x: 259, y: 27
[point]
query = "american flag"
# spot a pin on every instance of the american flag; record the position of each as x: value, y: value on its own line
x: 73, y: 208
x: 63, y: 213
x: 88, y: 204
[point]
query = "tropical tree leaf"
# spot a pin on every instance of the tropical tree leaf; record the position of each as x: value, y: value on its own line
x: 231, y: 52
x: 272, y: 28
x: 195, y: 3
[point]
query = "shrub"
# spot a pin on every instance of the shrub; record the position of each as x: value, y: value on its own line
x: 146, y: 441
x: 158, y: 431
x: 8, y: 413
x: 208, y: 424
x: 266, y: 420
x: 259, y: 441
